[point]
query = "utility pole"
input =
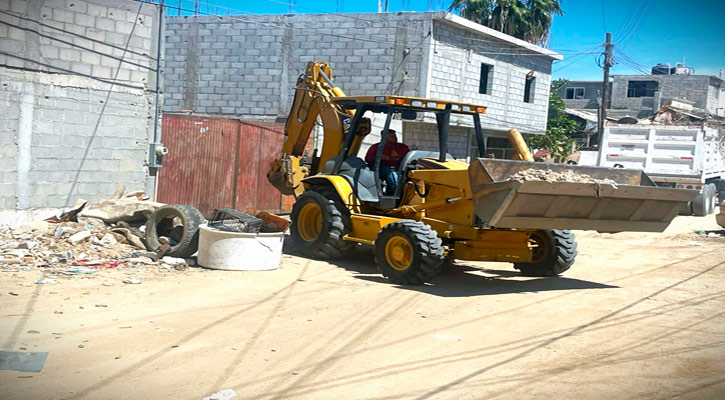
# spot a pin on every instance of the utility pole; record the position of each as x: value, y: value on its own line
x: 605, y: 84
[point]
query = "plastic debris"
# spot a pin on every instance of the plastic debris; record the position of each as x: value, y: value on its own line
x: 46, y: 281
x: 86, y: 271
x: 132, y: 281
x: 694, y: 243
x: 173, y: 260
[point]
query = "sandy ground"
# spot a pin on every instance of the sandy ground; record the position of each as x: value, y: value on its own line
x: 638, y: 316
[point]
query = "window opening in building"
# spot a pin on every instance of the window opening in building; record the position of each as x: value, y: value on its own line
x: 574, y: 93
x: 485, y: 73
x: 529, y: 87
x: 500, y: 148
x: 642, y: 88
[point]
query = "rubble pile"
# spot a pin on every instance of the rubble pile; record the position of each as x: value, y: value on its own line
x: 548, y: 175
x: 76, y: 244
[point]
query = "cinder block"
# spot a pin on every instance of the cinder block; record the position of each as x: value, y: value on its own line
x: 86, y: 20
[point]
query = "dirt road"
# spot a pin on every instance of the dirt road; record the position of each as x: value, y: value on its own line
x: 638, y: 316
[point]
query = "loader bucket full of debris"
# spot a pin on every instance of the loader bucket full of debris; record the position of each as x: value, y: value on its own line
x: 529, y: 195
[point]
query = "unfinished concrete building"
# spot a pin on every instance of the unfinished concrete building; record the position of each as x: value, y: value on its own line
x: 247, y: 66
x: 76, y: 100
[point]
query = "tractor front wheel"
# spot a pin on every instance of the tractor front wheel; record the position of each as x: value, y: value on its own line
x: 554, y: 253
x: 409, y: 252
x: 319, y: 222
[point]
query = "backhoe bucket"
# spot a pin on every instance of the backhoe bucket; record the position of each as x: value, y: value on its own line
x: 633, y: 203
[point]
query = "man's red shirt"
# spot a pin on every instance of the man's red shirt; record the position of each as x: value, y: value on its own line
x: 392, y: 154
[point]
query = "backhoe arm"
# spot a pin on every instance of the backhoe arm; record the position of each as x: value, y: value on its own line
x: 312, y: 99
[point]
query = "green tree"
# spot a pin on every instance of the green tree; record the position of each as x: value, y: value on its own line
x: 559, y: 127
x: 529, y: 20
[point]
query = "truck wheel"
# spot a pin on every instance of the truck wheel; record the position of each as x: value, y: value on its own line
x: 178, y: 222
x: 409, y: 252
x: 554, y: 254
x: 713, y: 198
x: 701, y: 203
x: 319, y: 222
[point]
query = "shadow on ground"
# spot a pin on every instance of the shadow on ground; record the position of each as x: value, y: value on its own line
x: 458, y: 280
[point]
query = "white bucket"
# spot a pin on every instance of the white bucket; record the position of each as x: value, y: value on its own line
x: 239, y: 251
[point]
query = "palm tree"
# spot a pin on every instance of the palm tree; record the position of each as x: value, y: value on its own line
x: 541, y: 15
x: 529, y: 20
x: 510, y: 17
x: 478, y: 11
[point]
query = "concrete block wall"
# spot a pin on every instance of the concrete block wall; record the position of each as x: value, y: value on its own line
x: 716, y: 96
x: 66, y: 132
x: 455, y: 75
x: 248, y: 65
x: 424, y: 136
x: 592, y: 91
x: 689, y: 87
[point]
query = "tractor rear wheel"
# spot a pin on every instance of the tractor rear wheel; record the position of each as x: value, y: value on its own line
x: 554, y: 253
x: 409, y: 252
x: 319, y: 222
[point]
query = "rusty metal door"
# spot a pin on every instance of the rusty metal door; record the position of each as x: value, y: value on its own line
x: 218, y: 162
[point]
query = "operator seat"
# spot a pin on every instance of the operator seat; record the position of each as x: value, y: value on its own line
x: 358, y: 174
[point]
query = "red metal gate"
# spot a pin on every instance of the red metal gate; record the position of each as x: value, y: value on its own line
x: 219, y: 162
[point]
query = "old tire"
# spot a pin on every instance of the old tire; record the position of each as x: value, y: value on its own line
x: 180, y: 222
x: 409, y: 252
x: 319, y: 222
x: 554, y: 254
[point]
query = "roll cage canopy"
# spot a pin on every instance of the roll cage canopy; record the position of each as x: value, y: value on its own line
x: 410, y: 103
x: 402, y: 104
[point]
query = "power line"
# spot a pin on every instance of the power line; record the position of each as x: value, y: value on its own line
x: 639, y: 19
x: 103, y: 109
x: 71, y: 44
x: 577, y: 58
x: 626, y: 40
x: 44, y: 25
x: 450, y: 49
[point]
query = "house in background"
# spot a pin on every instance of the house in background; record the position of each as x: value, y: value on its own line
x: 582, y: 95
x: 641, y: 96
x: 247, y: 66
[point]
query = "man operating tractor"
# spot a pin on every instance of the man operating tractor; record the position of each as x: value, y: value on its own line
x: 393, y: 152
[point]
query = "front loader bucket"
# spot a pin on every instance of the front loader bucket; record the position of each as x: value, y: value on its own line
x: 633, y: 203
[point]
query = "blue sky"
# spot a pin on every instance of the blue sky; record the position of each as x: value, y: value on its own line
x: 666, y: 30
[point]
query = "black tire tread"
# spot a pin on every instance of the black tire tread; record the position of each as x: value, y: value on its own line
x: 428, y: 248
x: 563, y: 253
x: 190, y: 218
x: 331, y: 245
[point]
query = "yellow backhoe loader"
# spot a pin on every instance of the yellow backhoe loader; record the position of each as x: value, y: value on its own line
x: 443, y: 208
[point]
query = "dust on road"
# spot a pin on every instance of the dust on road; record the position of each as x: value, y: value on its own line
x: 639, y: 315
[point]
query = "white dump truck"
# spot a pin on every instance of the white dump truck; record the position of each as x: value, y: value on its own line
x: 675, y: 156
